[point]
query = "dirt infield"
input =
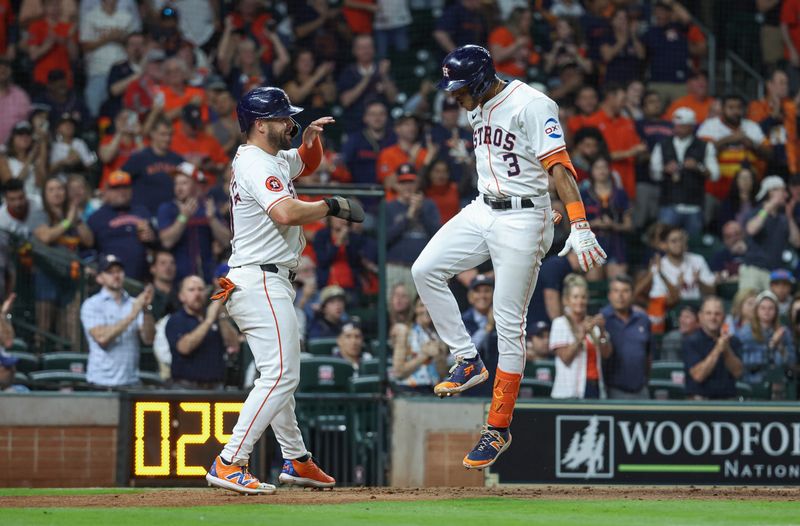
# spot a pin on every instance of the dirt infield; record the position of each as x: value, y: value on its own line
x: 213, y: 497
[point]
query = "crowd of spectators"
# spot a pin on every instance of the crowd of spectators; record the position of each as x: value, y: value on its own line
x: 118, y: 124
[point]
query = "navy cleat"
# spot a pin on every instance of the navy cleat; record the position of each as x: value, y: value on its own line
x: 491, y: 444
x: 463, y: 375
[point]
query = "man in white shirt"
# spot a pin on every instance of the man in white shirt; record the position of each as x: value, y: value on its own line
x: 102, y: 36
x: 680, y: 275
x: 683, y: 163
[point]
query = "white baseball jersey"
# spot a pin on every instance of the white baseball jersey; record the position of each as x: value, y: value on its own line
x: 512, y: 132
x: 259, y: 181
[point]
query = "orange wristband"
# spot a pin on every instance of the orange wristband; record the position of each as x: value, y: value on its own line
x: 576, y: 212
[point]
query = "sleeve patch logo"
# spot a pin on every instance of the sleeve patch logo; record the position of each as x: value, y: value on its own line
x: 552, y: 129
x: 274, y: 184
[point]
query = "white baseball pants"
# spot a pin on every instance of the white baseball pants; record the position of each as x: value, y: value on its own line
x: 516, y: 241
x: 262, y: 307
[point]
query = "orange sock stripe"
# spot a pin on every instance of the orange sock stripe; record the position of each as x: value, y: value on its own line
x: 504, y: 398
x: 575, y: 211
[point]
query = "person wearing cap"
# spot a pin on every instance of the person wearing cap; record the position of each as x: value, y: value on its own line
x: 189, y: 225
x: 51, y: 43
x: 767, y: 229
x: 627, y: 369
x: 683, y: 163
x: 69, y: 153
x: 125, y: 72
x: 408, y: 150
x: 141, y: 94
x: 766, y: 342
x: 738, y: 141
x: 196, y: 146
x: 781, y: 283
x: 198, y: 336
x: 115, y: 326
x: 102, y: 35
x: 350, y: 345
x: 538, y: 345
x: 412, y: 219
x: 121, y: 228
x: 477, y: 318
x: 15, y: 102
x: 24, y: 159
x: 331, y: 315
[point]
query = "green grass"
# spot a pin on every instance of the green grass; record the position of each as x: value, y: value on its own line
x: 467, y: 512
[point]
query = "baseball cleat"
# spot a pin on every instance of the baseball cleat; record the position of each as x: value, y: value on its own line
x: 306, y: 474
x: 491, y: 444
x: 463, y: 375
x: 236, y: 478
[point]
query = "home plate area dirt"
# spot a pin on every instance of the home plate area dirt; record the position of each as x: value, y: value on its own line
x: 212, y: 497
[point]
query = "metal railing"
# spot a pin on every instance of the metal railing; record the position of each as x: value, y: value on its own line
x: 741, y: 77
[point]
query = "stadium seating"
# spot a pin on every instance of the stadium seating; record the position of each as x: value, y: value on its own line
x: 320, y: 374
x: 672, y: 372
x: 151, y: 379
x: 321, y: 346
x: 65, y: 361
x: 27, y: 363
x: 542, y: 370
x: 365, y: 384
x: 532, y: 388
x: 57, y: 380
x: 666, y: 390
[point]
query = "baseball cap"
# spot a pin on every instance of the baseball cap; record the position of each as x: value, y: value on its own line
x: 67, y: 116
x: 22, y: 127
x: 331, y: 292
x: 191, y: 171
x: 781, y: 274
x: 154, y: 55
x: 192, y: 115
x: 767, y: 295
x: 108, y: 261
x: 406, y: 173
x: 480, y: 279
x: 770, y: 182
x: 684, y: 115
x: 539, y: 327
x: 216, y: 83
x: 119, y: 179
x: 6, y: 359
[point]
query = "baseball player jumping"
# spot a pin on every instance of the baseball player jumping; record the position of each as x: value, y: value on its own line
x: 266, y: 220
x: 519, y: 145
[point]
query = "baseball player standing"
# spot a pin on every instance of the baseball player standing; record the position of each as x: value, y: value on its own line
x: 519, y: 145
x: 266, y: 220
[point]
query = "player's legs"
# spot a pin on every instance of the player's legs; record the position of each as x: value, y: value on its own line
x: 457, y: 246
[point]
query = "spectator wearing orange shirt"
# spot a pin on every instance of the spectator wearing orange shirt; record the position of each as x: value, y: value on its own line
x: 196, y: 146
x: 116, y: 148
x: 697, y: 98
x: 358, y: 14
x: 8, y: 30
x: 177, y: 93
x: 407, y: 150
x: 438, y: 187
x: 52, y: 43
x: 511, y: 45
x: 586, y: 105
x: 776, y: 113
x: 624, y: 143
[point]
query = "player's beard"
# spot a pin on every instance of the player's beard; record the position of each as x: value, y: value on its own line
x: 280, y: 139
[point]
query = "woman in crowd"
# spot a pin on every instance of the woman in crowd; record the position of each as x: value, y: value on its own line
x: 743, y: 309
x: 25, y: 159
x: 65, y: 230
x: 766, y: 344
x: 566, y: 49
x: 609, y: 213
x: 400, y: 306
x: 420, y: 357
x: 580, y: 343
x: 438, y: 187
x: 741, y: 197
x: 623, y: 53
x: 311, y: 87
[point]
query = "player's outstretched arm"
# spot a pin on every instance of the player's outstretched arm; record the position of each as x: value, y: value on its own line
x: 581, y: 238
x: 294, y: 212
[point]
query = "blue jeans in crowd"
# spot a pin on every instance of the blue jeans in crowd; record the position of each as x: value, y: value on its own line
x: 398, y: 37
x: 692, y: 222
x: 96, y: 93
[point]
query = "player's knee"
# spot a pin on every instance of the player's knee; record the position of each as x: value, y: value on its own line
x: 420, y: 270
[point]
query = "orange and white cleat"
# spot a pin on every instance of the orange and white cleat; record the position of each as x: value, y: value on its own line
x: 306, y: 474
x: 463, y: 375
x: 236, y: 478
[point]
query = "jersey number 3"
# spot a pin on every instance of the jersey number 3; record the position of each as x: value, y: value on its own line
x: 513, y: 163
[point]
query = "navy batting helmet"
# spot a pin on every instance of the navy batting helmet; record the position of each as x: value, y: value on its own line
x: 468, y: 66
x: 265, y: 103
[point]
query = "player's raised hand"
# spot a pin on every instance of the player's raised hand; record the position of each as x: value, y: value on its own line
x: 581, y: 239
x: 315, y: 129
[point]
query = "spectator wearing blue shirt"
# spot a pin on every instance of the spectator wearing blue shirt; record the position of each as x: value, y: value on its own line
x: 725, y: 262
x: 330, y: 317
x: 462, y: 23
x: 455, y: 143
x: 627, y: 369
x: 477, y: 317
x: 667, y: 46
x: 121, y: 229
x: 190, y: 224
x: 411, y: 221
x: 652, y: 128
x: 363, y: 81
x: 621, y: 50
x: 711, y: 356
x: 596, y: 27
x: 198, y: 338
x: 766, y: 343
x: 152, y: 167
x: 361, y: 150
x: 545, y: 303
x: 115, y: 324
x: 124, y: 73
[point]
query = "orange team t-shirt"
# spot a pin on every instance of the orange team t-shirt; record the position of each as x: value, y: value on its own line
x: 591, y: 360
x: 57, y: 57
x: 790, y: 15
x: 391, y: 158
x: 174, y: 100
x: 576, y: 122
x: 194, y: 150
x: 446, y: 199
x: 620, y: 134
x: 359, y: 20
x: 701, y: 108
x: 126, y: 149
x: 504, y: 38
x: 6, y: 20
